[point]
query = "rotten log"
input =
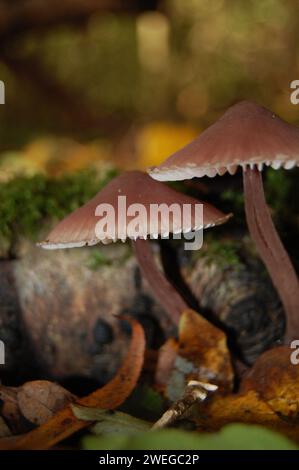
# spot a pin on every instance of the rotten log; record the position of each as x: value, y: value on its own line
x: 61, y: 319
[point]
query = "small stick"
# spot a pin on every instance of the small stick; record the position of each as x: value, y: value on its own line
x: 195, y: 391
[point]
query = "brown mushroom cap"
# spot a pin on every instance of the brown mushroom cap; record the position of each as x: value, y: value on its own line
x: 247, y: 134
x: 78, y: 229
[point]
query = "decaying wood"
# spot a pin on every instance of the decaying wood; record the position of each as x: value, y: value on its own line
x: 242, y: 297
x: 60, y: 319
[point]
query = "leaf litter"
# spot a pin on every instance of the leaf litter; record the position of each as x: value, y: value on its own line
x: 195, y: 379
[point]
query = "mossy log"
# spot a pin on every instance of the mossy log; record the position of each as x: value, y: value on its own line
x: 62, y: 313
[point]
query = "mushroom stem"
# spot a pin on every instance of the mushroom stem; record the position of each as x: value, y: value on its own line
x: 164, y: 292
x: 271, y: 250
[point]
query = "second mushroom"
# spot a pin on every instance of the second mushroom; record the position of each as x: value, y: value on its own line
x: 251, y: 137
x: 79, y: 228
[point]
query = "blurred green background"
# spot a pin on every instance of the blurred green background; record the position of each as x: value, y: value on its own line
x: 135, y: 80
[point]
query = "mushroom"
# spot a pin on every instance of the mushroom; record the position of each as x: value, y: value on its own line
x: 85, y: 227
x: 248, y: 136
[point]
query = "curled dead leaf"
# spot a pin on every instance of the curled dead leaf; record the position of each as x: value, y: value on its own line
x: 276, y: 380
x: 64, y: 423
x: 201, y: 354
x: 205, y: 347
x: 4, y: 429
x: 242, y: 408
x: 40, y: 400
x: 10, y: 410
x: 269, y: 396
x: 32, y: 403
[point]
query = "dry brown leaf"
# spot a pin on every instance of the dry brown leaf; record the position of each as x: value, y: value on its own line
x: 112, y: 395
x: 205, y: 347
x: 269, y: 396
x: 242, y: 408
x: 40, y: 400
x: 35, y: 401
x: 276, y: 380
x: 10, y: 410
x: 201, y: 353
x: 4, y: 429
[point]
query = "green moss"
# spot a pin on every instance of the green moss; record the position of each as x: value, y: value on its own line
x: 145, y: 403
x: 278, y: 188
x: 98, y: 259
x: 224, y: 252
x: 235, y: 199
x: 112, y: 254
x: 26, y: 204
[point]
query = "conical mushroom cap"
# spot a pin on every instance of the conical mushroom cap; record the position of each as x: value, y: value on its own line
x: 246, y: 134
x: 79, y: 228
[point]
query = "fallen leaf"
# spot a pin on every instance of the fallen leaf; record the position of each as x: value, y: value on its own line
x: 4, y: 429
x: 111, y: 422
x: 40, y: 400
x: 158, y: 139
x: 32, y: 403
x: 205, y: 346
x: 202, y: 354
x: 10, y: 410
x: 112, y: 395
x: 276, y: 380
x: 241, y: 408
x: 268, y: 396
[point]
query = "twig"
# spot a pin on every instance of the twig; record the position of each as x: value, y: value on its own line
x: 195, y: 391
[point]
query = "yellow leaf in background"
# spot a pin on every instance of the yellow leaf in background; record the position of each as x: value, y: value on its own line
x: 73, y: 156
x: 14, y: 164
x: 40, y: 151
x: 158, y: 140
x: 53, y: 157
